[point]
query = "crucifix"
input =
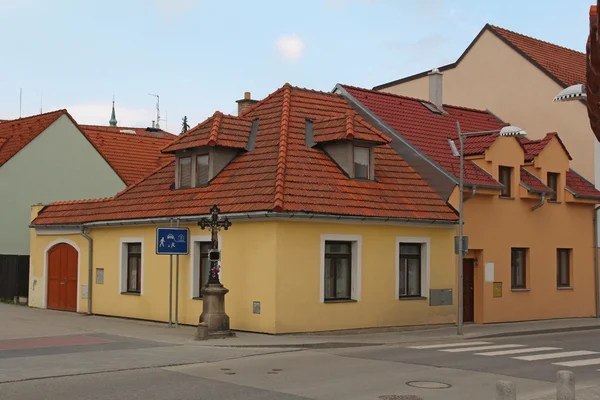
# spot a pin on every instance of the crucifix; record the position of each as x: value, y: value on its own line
x: 214, y: 224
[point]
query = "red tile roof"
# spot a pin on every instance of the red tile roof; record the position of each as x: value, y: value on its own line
x: 429, y: 131
x: 535, y: 147
x: 566, y: 65
x: 152, y: 132
x: 18, y: 133
x: 581, y: 187
x: 131, y: 156
x: 280, y: 173
x: 532, y: 183
x: 347, y: 127
x: 478, y: 144
x: 218, y: 130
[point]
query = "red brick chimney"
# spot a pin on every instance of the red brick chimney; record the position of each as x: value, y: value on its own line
x: 245, y: 103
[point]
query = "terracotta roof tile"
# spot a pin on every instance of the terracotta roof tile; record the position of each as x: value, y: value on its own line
x: 429, y: 131
x: 581, y: 187
x: 347, y: 127
x: 17, y: 133
x: 281, y: 172
x: 152, y: 132
x: 532, y: 183
x: 566, y: 65
x: 534, y: 147
x: 218, y: 130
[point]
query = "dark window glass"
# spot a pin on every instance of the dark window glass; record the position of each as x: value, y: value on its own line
x: 553, y: 184
x: 204, y: 265
x: 202, y: 170
x: 362, y: 162
x: 410, y: 269
x: 563, y: 267
x: 185, y: 172
x: 504, y: 175
x: 134, y: 267
x: 518, y: 268
x: 338, y: 270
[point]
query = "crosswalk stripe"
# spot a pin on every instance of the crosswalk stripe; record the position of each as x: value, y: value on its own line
x: 579, y: 363
x: 441, y: 346
x: 517, y: 351
x: 550, y: 356
x: 498, y: 346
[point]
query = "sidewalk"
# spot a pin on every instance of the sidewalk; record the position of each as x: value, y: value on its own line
x: 23, y: 322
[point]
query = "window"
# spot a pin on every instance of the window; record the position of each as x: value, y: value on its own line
x: 410, y: 270
x: 518, y: 268
x: 563, y: 267
x: 504, y: 175
x: 201, y: 170
x: 204, y: 266
x: 338, y: 270
x: 185, y: 172
x: 553, y: 184
x: 362, y: 164
x: 134, y: 267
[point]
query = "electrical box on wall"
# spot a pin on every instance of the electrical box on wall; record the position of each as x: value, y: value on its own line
x: 256, y: 307
x: 440, y: 297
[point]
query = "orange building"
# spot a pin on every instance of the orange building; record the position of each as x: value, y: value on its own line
x: 528, y: 216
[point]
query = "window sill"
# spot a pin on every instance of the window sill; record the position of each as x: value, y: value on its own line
x: 554, y: 202
x: 521, y: 289
x: 506, y: 198
x: 565, y: 288
x: 412, y: 298
x: 198, y: 298
x: 340, y: 301
x: 131, y: 293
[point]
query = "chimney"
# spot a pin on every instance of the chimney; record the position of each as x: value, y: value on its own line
x: 245, y: 103
x: 436, y: 80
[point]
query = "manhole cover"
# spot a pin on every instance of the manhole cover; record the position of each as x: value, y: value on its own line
x: 402, y: 397
x: 429, y: 385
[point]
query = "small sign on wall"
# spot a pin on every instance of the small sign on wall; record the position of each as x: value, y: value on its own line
x: 84, y: 292
x: 489, y: 272
x: 497, y: 289
x: 99, y: 276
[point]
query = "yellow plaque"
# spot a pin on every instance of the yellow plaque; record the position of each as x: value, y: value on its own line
x: 497, y: 289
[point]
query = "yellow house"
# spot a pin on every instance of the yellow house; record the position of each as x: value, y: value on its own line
x: 528, y: 215
x: 332, y: 228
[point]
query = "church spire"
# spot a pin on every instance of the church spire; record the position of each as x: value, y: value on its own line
x: 113, y: 118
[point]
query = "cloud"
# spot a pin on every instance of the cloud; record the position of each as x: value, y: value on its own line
x: 99, y: 114
x: 290, y: 47
x: 175, y: 6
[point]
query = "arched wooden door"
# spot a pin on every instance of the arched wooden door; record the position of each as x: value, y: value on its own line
x: 62, y: 278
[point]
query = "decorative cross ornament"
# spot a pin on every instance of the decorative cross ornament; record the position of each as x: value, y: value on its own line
x: 214, y: 224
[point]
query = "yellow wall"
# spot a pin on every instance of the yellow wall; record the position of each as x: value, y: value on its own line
x: 275, y: 263
x: 495, y: 77
x: 494, y: 225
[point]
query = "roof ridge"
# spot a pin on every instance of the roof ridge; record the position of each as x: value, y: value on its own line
x: 82, y: 201
x: 214, y: 130
x: 61, y: 111
x: 350, y: 126
x: 263, y: 101
x: 370, y: 127
x: 499, y: 28
x: 282, y: 151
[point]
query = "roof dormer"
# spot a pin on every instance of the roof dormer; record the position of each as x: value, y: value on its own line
x: 350, y: 141
x: 204, y: 151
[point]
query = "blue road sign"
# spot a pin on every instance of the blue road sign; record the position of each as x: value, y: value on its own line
x: 172, y: 240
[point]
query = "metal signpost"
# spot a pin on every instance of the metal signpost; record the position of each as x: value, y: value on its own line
x: 173, y: 241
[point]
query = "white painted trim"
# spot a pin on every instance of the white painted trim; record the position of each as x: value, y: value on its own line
x: 356, y: 264
x: 45, y: 285
x: 425, y: 263
x: 194, y: 264
x: 55, y: 232
x: 123, y: 264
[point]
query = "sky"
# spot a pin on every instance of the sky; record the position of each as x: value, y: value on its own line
x: 200, y: 56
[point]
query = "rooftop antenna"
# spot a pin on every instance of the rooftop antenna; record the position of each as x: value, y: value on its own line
x: 20, y: 101
x: 157, y: 126
x: 166, y: 120
x: 41, y: 102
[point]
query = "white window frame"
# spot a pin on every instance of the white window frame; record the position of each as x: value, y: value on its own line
x: 356, y: 266
x: 123, y: 267
x: 425, y: 267
x: 195, y: 265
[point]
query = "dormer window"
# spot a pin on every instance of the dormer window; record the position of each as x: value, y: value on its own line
x: 185, y: 172
x: 202, y: 170
x: 553, y: 184
x: 362, y: 162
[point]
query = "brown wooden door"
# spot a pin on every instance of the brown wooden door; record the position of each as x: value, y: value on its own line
x: 468, y: 290
x: 62, y: 278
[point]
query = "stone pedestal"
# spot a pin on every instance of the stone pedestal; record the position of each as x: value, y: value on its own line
x: 214, y: 323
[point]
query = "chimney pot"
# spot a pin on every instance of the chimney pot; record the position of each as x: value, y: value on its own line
x: 245, y: 103
x: 247, y: 96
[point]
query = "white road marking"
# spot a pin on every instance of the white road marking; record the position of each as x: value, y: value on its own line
x: 441, y: 346
x: 494, y: 347
x: 579, y: 363
x: 517, y: 351
x: 550, y: 356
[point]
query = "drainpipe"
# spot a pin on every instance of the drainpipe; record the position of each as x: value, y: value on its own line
x: 90, y: 269
x: 541, y: 203
x: 473, y: 192
x: 597, y: 272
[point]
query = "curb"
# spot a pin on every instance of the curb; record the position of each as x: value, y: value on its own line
x: 537, y: 332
